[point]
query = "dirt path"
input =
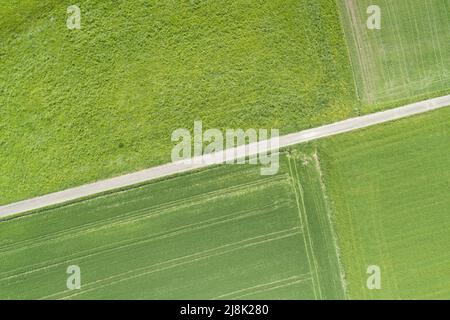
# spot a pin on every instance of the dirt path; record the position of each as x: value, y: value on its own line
x: 238, y: 152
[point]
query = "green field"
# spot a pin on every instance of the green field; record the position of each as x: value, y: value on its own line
x: 82, y: 105
x: 390, y: 188
x: 225, y: 232
x: 408, y: 58
x: 377, y: 196
x: 97, y: 102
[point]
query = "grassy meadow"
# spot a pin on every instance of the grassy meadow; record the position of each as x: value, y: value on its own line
x: 221, y: 233
x: 81, y: 105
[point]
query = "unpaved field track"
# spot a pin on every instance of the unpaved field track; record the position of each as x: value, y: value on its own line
x: 153, y: 243
x: 238, y: 152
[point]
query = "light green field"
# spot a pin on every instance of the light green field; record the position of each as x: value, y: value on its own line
x: 390, y: 188
x: 76, y: 106
x: 226, y: 233
x: 408, y: 59
x: 377, y: 196
x: 80, y: 105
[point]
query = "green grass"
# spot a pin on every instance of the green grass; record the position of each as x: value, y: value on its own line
x: 81, y: 105
x: 224, y: 232
x: 408, y: 59
x: 390, y: 187
x: 76, y: 106
x: 378, y: 196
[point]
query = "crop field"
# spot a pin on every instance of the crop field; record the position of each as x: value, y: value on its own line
x: 101, y: 101
x: 378, y: 196
x: 390, y: 187
x: 221, y: 233
x: 408, y: 58
x: 78, y: 106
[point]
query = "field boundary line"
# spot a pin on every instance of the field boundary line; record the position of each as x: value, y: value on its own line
x: 303, y: 217
x: 349, y: 32
x: 329, y: 213
x: 204, y: 161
